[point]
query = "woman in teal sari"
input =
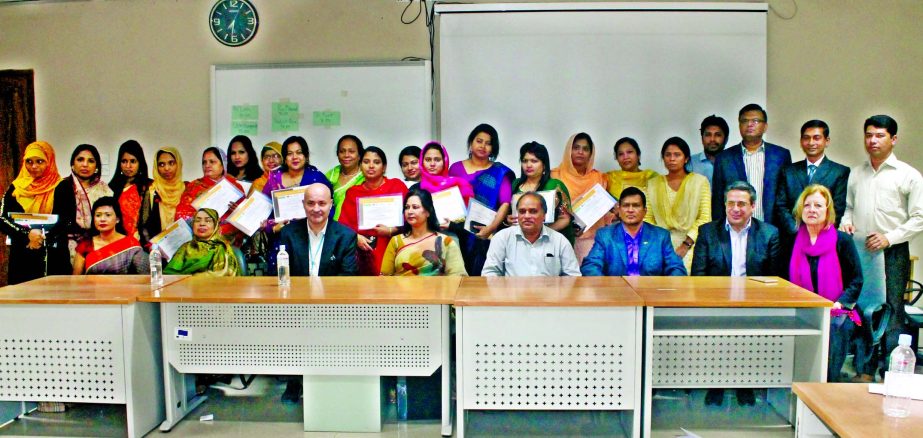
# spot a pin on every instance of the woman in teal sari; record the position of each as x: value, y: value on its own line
x: 207, y: 252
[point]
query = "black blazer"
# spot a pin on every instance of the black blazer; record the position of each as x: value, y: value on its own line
x: 338, y: 256
x: 729, y: 167
x: 712, y: 252
x: 794, y: 179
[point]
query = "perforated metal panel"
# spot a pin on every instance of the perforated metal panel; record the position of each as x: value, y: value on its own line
x: 305, y: 339
x: 549, y: 358
x: 721, y: 361
x: 49, y: 353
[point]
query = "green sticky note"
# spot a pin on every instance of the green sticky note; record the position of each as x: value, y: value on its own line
x: 243, y: 127
x: 284, y: 116
x: 245, y: 112
x: 326, y: 118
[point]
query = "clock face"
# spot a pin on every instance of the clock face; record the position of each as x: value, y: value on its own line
x: 233, y: 22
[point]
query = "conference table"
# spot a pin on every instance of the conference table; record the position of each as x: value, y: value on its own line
x: 848, y: 410
x: 549, y: 344
x: 339, y: 333
x: 729, y: 332
x: 83, y: 339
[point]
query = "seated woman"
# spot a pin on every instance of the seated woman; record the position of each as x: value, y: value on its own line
x: 207, y: 253
x: 420, y: 249
x: 825, y: 261
x: 108, y: 250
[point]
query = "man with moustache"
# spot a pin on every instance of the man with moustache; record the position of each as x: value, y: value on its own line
x: 714, y: 131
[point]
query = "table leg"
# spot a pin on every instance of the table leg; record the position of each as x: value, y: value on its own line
x: 446, y: 373
x: 459, y: 374
x: 176, y: 402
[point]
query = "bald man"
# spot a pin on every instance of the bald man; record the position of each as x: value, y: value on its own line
x: 318, y: 246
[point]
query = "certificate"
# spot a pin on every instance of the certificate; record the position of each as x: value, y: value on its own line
x: 172, y: 237
x: 550, y: 198
x: 218, y: 197
x: 387, y: 210
x: 478, y: 214
x: 245, y: 185
x: 251, y: 213
x: 35, y: 220
x: 449, y: 205
x: 288, y: 204
x: 592, y: 206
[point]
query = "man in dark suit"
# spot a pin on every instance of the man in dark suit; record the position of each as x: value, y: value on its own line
x: 317, y: 246
x: 632, y: 247
x: 738, y: 245
x: 815, y: 137
x: 753, y: 160
x: 303, y: 237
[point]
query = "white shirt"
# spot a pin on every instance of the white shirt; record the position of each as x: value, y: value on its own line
x: 738, y: 248
x: 887, y: 201
x: 512, y: 255
x: 315, y: 248
x: 754, y: 166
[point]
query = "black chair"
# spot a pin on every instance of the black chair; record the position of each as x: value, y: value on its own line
x: 913, y: 316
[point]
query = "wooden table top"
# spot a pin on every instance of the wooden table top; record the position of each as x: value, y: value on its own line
x: 309, y: 290
x: 850, y: 411
x: 81, y: 289
x: 722, y: 292
x: 546, y: 292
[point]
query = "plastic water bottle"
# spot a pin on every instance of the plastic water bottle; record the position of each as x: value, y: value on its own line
x: 901, y: 367
x: 402, y: 398
x: 285, y: 278
x: 156, y: 263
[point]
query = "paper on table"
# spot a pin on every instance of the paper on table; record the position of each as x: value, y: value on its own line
x: 908, y: 384
x: 387, y: 210
x: 592, y: 206
x: 172, y: 237
x: 449, y: 205
x: 288, y: 204
x: 478, y: 214
x: 251, y: 213
x: 218, y: 197
x: 550, y: 200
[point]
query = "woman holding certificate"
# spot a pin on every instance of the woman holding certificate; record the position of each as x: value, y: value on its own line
x: 536, y: 177
x: 107, y: 250
x: 207, y: 253
x: 242, y: 162
x: 271, y: 157
x: 347, y: 174
x: 628, y: 155
x: 679, y: 201
x: 420, y: 249
x: 33, y: 253
x: 492, y: 183
x: 214, y: 163
x: 129, y: 185
x: 374, y: 210
x: 160, y: 203
x: 75, y: 195
x: 434, y: 172
x: 578, y: 175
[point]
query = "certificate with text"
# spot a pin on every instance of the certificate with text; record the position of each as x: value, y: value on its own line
x: 288, y: 204
x: 172, y: 237
x: 387, y: 210
x: 251, y: 213
x: 478, y: 214
x: 550, y: 201
x: 449, y: 205
x: 218, y: 197
x: 592, y: 206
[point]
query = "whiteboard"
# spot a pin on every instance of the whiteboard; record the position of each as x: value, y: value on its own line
x: 388, y: 105
x: 546, y: 71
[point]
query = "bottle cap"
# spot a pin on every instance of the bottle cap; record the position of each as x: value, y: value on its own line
x: 904, y: 340
x: 281, y: 247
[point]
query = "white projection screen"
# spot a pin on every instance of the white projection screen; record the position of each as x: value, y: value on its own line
x: 648, y: 71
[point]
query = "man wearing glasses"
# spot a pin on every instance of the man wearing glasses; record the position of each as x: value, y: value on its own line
x: 754, y: 161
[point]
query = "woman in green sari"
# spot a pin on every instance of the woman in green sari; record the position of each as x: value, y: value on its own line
x: 535, y: 176
x: 346, y: 174
x: 207, y: 253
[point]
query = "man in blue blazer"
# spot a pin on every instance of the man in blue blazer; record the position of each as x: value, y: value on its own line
x: 632, y: 247
x: 753, y: 160
x: 303, y: 237
x: 815, y: 137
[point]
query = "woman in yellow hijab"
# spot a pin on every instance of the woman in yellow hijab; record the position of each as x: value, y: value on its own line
x: 159, y: 204
x: 34, y: 253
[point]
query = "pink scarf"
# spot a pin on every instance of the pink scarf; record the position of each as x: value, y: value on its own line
x: 829, y: 273
x: 437, y: 183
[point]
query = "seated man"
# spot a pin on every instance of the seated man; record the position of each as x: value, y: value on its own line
x: 632, y: 247
x: 316, y: 245
x: 736, y: 246
x: 531, y: 248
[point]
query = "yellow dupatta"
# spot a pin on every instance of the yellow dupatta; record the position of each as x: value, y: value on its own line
x: 621, y: 179
x: 683, y: 213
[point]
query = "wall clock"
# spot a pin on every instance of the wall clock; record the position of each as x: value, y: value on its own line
x: 233, y: 22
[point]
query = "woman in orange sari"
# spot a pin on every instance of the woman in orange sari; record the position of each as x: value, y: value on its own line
x: 214, y: 163
x: 578, y: 175
x: 107, y: 250
x: 129, y: 185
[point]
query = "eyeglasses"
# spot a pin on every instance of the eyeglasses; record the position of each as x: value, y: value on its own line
x: 751, y: 121
x: 738, y: 204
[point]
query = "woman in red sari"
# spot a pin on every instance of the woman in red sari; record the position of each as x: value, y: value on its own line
x: 130, y: 184
x: 107, y: 250
x: 214, y: 163
x: 372, y: 242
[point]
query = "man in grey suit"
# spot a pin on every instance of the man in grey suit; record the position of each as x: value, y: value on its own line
x: 736, y: 246
x: 816, y: 168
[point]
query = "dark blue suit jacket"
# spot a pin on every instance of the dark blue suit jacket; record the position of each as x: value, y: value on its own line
x: 794, y: 179
x: 712, y: 252
x: 609, y: 256
x: 729, y: 167
x: 337, y: 257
